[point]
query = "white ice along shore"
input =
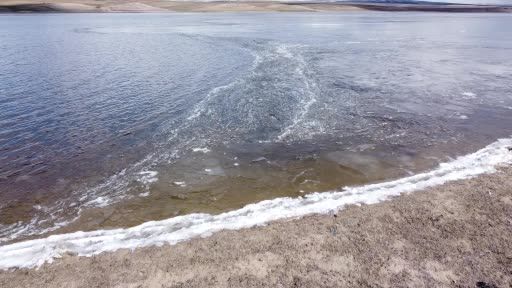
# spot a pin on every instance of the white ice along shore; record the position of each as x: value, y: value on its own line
x: 34, y: 253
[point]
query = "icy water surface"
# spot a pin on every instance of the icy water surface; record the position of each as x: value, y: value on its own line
x: 113, y: 120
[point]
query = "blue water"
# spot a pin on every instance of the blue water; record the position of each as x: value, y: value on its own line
x: 97, y: 108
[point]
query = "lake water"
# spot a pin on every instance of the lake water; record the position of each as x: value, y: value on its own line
x: 112, y: 120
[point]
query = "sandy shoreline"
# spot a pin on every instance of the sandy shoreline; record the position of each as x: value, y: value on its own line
x: 457, y: 234
x: 109, y: 6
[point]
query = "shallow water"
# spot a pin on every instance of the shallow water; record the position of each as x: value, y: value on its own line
x: 113, y: 120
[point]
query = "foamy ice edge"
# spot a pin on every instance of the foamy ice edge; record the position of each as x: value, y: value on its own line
x: 34, y: 253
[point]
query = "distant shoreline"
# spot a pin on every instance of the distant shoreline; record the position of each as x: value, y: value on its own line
x: 148, y: 6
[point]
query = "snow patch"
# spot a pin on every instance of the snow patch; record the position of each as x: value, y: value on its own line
x: 203, y: 150
x: 148, y: 177
x: 180, y: 183
x: 469, y: 95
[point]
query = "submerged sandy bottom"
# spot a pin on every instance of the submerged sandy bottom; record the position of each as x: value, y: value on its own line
x: 457, y: 234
